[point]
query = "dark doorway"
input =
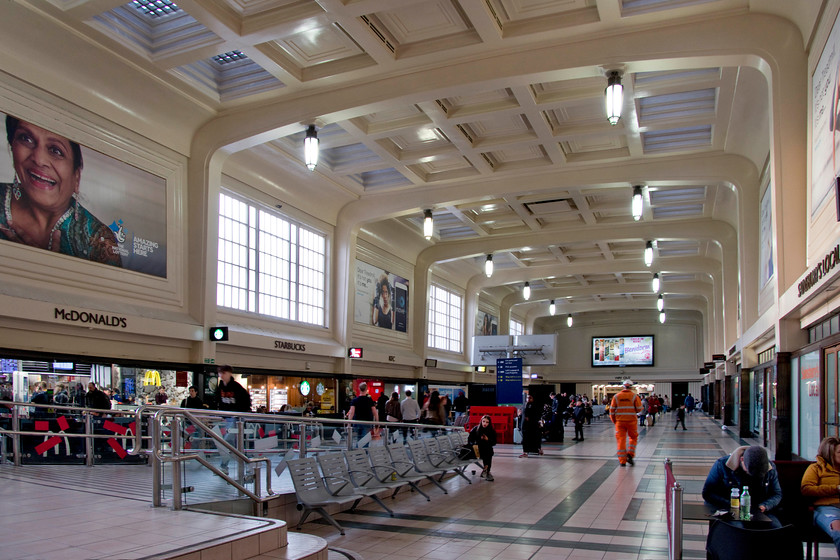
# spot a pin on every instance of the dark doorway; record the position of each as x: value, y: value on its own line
x: 541, y: 394
x: 482, y: 394
x: 679, y: 390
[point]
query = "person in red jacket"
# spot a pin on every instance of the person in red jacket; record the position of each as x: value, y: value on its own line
x: 624, y: 408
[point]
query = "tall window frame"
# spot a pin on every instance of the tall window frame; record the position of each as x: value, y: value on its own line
x: 517, y: 328
x: 445, y: 325
x: 268, y: 264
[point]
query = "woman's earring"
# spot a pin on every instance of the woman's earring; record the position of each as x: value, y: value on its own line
x: 76, y: 209
x: 16, y: 188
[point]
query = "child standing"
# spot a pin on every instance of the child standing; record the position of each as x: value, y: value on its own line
x: 680, y: 417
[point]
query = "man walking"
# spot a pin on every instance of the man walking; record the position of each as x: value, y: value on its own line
x: 689, y: 403
x: 624, y: 408
x: 230, y: 397
x: 362, y: 408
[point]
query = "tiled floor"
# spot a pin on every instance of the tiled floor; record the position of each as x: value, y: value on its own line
x: 54, y: 522
x: 572, y: 502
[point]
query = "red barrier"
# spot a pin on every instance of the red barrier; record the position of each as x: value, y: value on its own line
x: 503, y: 418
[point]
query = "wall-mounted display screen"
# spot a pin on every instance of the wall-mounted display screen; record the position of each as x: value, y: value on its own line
x: 622, y: 351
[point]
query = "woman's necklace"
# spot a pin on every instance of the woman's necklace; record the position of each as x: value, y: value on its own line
x: 61, y: 220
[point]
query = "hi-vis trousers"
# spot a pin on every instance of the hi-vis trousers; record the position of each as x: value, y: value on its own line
x: 623, y: 430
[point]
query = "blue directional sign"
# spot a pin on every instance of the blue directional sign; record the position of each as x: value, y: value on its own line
x: 509, y: 381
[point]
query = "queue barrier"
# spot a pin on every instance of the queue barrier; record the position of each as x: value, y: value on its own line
x: 503, y: 418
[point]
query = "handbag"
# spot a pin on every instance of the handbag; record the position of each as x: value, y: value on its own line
x: 467, y: 452
x: 649, y: 420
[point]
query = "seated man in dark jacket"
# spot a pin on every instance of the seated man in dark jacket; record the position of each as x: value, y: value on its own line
x: 746, y: 466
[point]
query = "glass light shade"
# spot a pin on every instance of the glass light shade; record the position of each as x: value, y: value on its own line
x: 552, y: 308
x: 661, y: 316
x: 569, y: 320
x: 428, y: 224
x: 648, y: 254
x: 488, y: 266
x: 526, y: 291
x: 655, y: 284
x: 660, y: 303
x: 638, y: 203
x: 311, y: 148
x: 614, y: 97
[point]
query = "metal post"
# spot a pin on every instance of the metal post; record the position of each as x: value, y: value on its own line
x: 175, y: 444
x: 240, y: 445
x: 676, y: 521
x: 16, y: 436
x: 302, y: 440
x: 155, y: 448
x: 89, y: 447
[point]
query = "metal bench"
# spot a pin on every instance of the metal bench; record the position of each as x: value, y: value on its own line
x: 312, y: 493
x: 383, y: 466
x: 362, y: 473
x: 419, y: 460
x: 339, y: 481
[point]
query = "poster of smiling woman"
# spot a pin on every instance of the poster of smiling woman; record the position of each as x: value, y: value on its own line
x: 59, y: 196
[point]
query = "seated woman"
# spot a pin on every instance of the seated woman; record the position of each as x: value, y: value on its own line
x: 484, y: 436
x: 822, y: 482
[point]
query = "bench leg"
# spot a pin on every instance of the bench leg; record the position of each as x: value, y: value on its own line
x: 417, y: 488
x: 376, y: 499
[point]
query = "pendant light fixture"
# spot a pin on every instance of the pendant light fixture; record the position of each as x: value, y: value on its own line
x: 648, y: 253
x: 614, y: 96
x: 526, y: 291
x: 569, y: 320
x: 637, y: 203
x: 655, y: 284
x: 428, y: 224
x: 311, y: 148
x: 552, y: 308
x: 660, y: 303
x: 662, y: 316
x: 488, y: 266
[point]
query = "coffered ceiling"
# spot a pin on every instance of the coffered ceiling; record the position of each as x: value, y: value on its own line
x: 498, y: 146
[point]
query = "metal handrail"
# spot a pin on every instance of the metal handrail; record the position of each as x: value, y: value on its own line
x: 158, y: 456
x: 88, y: 413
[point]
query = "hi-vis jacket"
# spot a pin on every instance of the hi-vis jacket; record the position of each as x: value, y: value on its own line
x: 625, y: 406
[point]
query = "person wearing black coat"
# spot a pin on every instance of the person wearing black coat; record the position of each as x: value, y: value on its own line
x: 531, y: 432
x: 484, y: 436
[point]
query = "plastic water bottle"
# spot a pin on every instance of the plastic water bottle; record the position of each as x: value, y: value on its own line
x: 735, y: 503
x: 746, y: 504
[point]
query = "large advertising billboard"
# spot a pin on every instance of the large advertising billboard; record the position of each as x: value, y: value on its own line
x: 60, y: 196
x: 381, y: 298
x: 825, y: 121
x: 622, y: 351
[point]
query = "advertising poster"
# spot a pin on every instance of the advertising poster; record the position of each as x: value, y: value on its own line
x: 486, y: 324
x: 60, y: 196
x: 381, y: 298
x: 765, y: 239
x: 825, y: 139
x: 622, y: 351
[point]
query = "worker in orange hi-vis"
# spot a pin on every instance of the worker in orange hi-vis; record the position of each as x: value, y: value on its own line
x: 624, y: 410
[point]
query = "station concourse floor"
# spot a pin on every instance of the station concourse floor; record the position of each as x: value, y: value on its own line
x: 573, y: 502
